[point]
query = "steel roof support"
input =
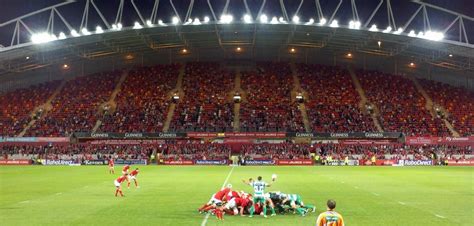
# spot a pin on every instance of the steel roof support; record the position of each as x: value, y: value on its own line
x: 138, y: 11
x: 335, y: 11
x: 373, y: 14
x: 118, y: 17
x: 319, y: 10
x: 154, y: 11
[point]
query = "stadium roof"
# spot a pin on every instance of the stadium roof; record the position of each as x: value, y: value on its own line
x: 219, y: 37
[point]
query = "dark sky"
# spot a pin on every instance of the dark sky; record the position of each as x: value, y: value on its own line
x: 403, y: 9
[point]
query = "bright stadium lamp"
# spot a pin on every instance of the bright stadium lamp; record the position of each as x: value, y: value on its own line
x: 274, y: 20
x: 61, y: 36
x: 387, y: 30
x: 206, y: 19
x: 334, y: 23
x: 420, y: 34
x: 311, y: 21
x: 323, y: 21
x: 263, y: 19
x: 114, y: 26
x: 196, y: 21
x: 412, y: 33
x: 43, y: 37
x: 373, y: 28
x: 190, y: 21
x: 398, y: 31
x: 296, y: 19
x: 226, y: 19
x: 247, y: 19
x: 434, y: 36
x: 175, y: 20
x: 84, y: 31
x: 149, y: 23
x: 99, y: 30
x: 137, y: 25
x: 74, y: 33
x: 282, y: 20
x: 119, y: 26
x: 161, y: 23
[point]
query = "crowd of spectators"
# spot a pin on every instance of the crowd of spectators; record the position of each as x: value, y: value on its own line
x: 142, y: 103
x: 77, y: 151
x: 205, y: 151
x: 76, y: 107
x: 269, y: 106
x: 457, y: 101
x: 16, y: 106
x: 402, y: 107
x: 276, y: 151
x: 206, y: 105
x: 332, y: 104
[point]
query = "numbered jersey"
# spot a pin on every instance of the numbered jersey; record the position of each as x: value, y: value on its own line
x: 258, y: 188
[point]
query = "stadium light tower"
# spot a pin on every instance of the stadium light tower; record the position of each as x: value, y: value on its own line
x: 226, y: 19
x: 206, y: 19
x: 137, y: 25
x: 149, y: 23
x: 323, y: 21
x: 274, y: 20
x: 161, y: 23
x: 373, y: 28
x: 310, y: 21
x: 84, y: 31
x: 334, y: 24
x: 99, y: 30
x: 196, y: 21
x: 412, y: 33
x: 61, y: 36
x: 387, y: 30
x: 74, y: 33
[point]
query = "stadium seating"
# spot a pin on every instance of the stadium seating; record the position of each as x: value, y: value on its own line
x: 269, y: 106
x: 457, y: 101
x: 402, y: 107
x: 333, y: 100
x: 143, y: 101
x: 205, y: 106
x: 16, y: 106
x: 75, y: 109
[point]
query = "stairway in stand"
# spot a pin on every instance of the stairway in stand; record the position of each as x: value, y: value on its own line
x: 178, y: 91
x: 45, y: 108
x: 363, y: 100
x: 297, y: 90
x: 430, y: 106
x: 111, y: 102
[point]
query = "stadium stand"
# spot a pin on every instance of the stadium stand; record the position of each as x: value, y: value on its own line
x: 143, y: 101
x: 269, y: 106
x: 75, y: 109
x: 402, y: 108
x: 276, y: 151
x: 17, y: 106
x: 457, y: 101
x: 195, y: 151
x: 333, y: 100
x: 206, y: 105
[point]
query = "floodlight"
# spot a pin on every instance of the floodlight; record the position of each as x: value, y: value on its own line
x: 274, y: 20
x: 296, y: 19
x: 373, y: 28
x: 323, y: 21
x: 196, y: 21
x: 137, y: 25
x: 149, y: 23
x: 412, y: 33
x: 387, y: 30
x: 206, y: 19
x: 263, y: 19
x: 84, y: 31
x: 311, y: 21
x: 334, y: 23
x: 61, y: 36
x: 74, y: 33
x: 247, y: 19
x: 99, y: 30
x: 175, y: 20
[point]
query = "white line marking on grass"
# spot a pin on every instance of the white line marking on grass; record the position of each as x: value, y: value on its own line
x: 204, y: 221
x: 401, y: 203
x: 437, y: 215
x: 376, y: 194
x: 26, y: 201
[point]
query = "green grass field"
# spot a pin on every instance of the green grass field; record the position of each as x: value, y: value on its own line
x: 64, y: 195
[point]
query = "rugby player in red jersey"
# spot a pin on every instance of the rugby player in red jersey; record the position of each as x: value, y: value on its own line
x: 118, y: 184
x: 216, y: 199
x: 133, y: 176
x: 235, y: 206
x: 125, y: 169
x: 111, y: 166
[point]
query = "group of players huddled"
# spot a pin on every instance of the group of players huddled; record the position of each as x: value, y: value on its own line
x: 261, y: 203
x: 126, y: 176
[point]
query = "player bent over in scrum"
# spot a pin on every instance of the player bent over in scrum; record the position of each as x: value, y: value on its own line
x: 118, y: 184
x: 297, y: 204
x: 235, y: 206
x: 133, y: 176
x: 216, y: 199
